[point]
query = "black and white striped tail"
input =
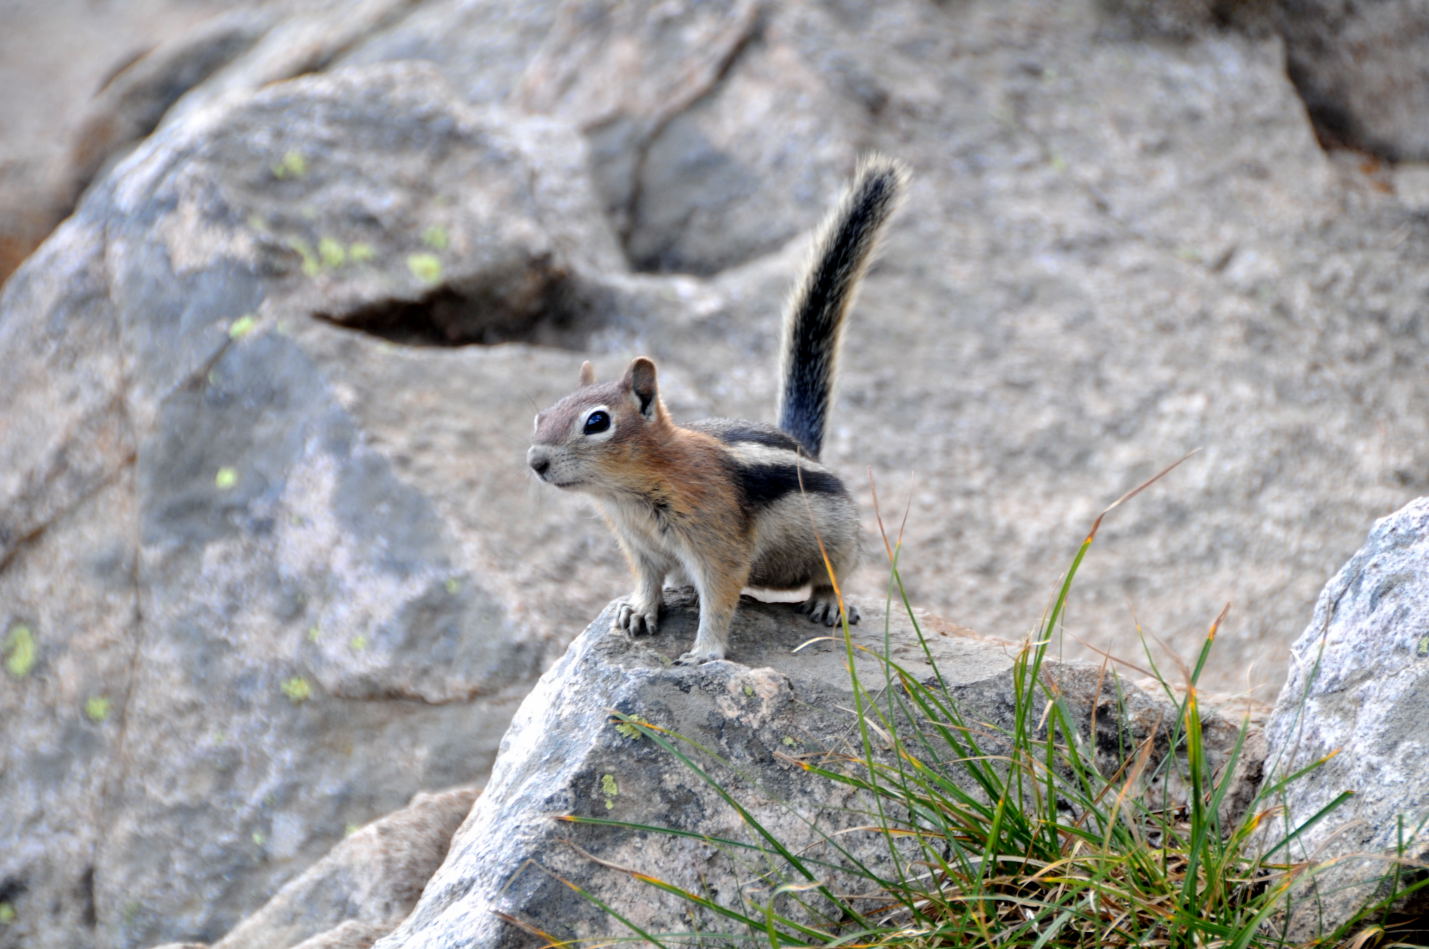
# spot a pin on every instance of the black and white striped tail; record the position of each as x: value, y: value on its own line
x: 814, y: 324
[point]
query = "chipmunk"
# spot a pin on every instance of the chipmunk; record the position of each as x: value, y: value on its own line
x: 721, y: 503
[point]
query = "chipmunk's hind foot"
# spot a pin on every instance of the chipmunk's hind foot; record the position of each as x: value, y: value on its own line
x: 822, y: 606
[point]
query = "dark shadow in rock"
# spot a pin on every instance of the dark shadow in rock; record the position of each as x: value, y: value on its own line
x: 1332, y: 123
x: 546, y: 306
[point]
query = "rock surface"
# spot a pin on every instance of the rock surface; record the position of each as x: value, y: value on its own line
x: 365, y: 886
x: 1363, y: 69
x: 236, y: 625
x: 515, y: 869
x: 276, y: 575
x: 56, y: 58
x: 1356, y: 693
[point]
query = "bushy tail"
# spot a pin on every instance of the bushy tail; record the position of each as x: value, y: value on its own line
x: 813, y: 326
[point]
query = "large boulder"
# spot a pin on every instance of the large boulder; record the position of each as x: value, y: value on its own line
x: 517, y: 868
x: 1355, y: 700
x: 234, y: 624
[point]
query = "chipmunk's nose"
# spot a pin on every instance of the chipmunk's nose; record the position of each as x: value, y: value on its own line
x: 539, y: 459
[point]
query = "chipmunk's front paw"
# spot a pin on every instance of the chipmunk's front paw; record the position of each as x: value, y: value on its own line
x: 824, y: 608
x: 636, y: 620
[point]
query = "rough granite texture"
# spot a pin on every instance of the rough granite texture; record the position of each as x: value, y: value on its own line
x: 1356, y: 694
x: 58, y: 58
x: 365, y: 886
x: 514, y: 867
x: 249, y: 628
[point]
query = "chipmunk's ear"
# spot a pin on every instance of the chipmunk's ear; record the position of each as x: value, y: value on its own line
x: 587, y: 374
x: 640, y: 380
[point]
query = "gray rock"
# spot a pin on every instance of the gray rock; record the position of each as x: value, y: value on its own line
x: 349, y: 935
x: 55, y: 56
x: 679, y: 109
x: 515, y: 868
x: 365, y: 886
x: 1355, y: 696
x: 1362, y: 68
x: 246, y: 626
x: 134, y: 100
x: 1181, y: 19
x: 484, y: 49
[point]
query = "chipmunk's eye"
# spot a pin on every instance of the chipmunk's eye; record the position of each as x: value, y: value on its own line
x: 596, y: 421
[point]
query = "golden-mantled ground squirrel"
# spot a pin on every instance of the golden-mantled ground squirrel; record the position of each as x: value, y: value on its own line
x: 726, y: 504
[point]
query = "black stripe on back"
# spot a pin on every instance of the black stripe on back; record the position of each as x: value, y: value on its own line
x: 764, y: 484
x: 759, y: 436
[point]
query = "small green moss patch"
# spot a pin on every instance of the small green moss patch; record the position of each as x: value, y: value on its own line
x: 331, y: 252
x: 293, y: 164
x: 297, y: 689
x: 96, y: 708
x: 20, y: 651
x: 435, y: 237
x: 610, y: 790
x: 425, y: 267
x: 242, y: 326
x: 312, y: 266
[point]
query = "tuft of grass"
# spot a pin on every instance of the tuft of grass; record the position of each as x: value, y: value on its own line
x: 1021, y: 836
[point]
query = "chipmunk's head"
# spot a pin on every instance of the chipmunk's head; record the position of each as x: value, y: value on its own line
x: 591, y: 439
